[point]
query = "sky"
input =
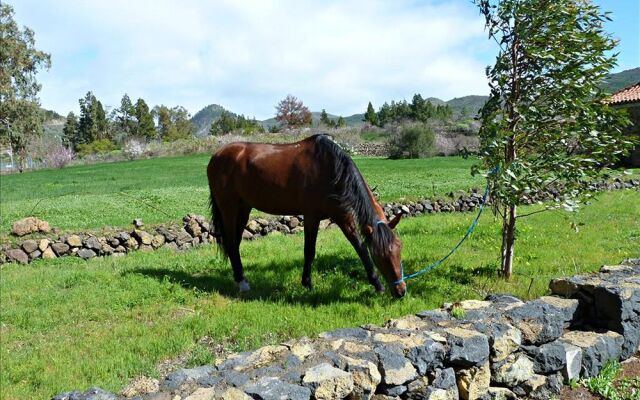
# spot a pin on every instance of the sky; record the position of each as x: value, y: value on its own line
x: 247, y: 55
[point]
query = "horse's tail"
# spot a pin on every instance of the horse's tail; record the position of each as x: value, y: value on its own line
x: 216, y: 223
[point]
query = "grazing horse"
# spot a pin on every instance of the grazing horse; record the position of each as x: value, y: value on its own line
x: 313, y: 177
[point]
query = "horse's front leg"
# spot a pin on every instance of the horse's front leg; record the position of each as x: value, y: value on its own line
x: 311, y: 224
x: 350, y: 231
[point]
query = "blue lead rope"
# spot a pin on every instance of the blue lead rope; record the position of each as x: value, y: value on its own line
x: 443, y: 259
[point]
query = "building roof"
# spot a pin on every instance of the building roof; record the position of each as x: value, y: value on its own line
x: 630, y: 94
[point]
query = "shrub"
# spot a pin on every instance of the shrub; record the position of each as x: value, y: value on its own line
x: 96, y: 147
x: 411, y: 141
x: 59, y: 156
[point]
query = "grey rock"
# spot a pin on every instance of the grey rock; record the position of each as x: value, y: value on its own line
x: 539, y: 322
x: 86, y: 253
x: 177, y: 379
x: 17, y: 255
x: 347, y: 333
x: 466, y: 347
x: 516, y: 369
x: 548, y: 358
x: 30, y: 246
x: 427, y: 357
x: 93, y: 243
x: 597, y: 349
x: 394, y: 367
x: 60, y: 248
x: 90, y: 394
x: 269, y: 388
x: 35, y: 254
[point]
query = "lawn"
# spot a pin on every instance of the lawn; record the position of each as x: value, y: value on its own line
x: 68, y: 323
x: 165, y: 189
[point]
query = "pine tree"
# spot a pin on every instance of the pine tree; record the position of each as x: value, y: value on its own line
x: 370, y: 116
x: 70, y: 131
x: 144, y: 121
x: 341, y: 122
x: 125, y: 115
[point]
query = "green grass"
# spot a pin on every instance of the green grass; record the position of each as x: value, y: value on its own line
x: 165, y: 189
x: 68, y: 323
x: 605, y: 385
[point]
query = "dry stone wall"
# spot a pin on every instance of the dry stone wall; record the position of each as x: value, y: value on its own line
x: 499, y: 348
x: 195, y: 229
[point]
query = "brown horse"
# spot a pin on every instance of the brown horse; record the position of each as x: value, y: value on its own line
x: 314, y: 178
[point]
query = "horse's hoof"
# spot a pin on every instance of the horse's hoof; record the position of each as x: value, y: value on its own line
x: 243, y: 286
x: 307, y: 284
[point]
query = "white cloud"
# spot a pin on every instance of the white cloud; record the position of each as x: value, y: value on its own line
x: 246, y: 55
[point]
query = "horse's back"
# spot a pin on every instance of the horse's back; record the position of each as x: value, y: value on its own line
x: 275, y: 178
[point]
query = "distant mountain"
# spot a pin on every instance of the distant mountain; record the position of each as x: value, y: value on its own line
x: 202, y: 119
x: 472, y: 104
x: 621, y: 80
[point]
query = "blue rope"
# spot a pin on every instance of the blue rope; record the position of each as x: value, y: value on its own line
x: 443, y: 259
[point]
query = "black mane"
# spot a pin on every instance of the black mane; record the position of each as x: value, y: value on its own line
x: 350, y: 192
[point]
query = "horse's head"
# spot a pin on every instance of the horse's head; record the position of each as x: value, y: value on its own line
x: 385, y: 248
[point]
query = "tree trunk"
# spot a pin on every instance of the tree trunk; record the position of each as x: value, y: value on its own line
x: 508, y: 240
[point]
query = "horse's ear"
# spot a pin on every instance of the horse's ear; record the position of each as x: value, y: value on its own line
x: 394, y: 221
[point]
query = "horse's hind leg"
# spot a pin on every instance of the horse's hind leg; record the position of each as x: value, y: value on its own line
x: 351, y: 234
x: 311, y: 224
x: 238, y: 216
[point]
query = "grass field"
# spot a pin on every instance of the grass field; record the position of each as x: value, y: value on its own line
x: 164, y: 189
x: 69, y: 324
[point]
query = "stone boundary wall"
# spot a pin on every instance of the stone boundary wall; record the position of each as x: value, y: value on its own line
x: 371, y: 149
x: 195, y: 229
x: 499, y: 348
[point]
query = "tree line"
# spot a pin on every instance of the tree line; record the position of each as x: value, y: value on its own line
x: 94, y: 126
x: 419, y: 110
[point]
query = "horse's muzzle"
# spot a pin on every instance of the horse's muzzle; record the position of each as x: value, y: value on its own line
x: 398, y: 291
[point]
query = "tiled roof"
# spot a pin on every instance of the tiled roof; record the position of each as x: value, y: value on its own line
x: 627, y: 95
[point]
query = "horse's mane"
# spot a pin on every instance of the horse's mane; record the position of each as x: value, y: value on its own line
x: 350, y: 191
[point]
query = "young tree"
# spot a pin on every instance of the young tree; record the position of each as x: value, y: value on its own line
x: 181, y: 120
x: 324, y: 118
x: 144, y: 121
x: 70, y: 131
x: 20, y: 61
x: 370, y: 116
x: 341, y: 122
x: 292, y: 113
x: 546, y: 123
x: 165, y: 124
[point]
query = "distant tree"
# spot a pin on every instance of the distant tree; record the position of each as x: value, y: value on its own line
x: 384, y: 114
x: 324, y: 118
x: 163, y: 114
x: 93, y: 121
x: 292, y: 113
x: 70, y: 131
x: 125, y: 115
x: 370, y: 116
x: 181, y: 119
x: 20, y: 61
x: 225, y: 124
x: 144, y: 121
x: 173, y: 123
x: 341, y: 122
x: 546, y: 123
x: 411, y: 141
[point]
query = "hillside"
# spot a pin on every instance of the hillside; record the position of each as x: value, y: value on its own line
x: 621, y: 80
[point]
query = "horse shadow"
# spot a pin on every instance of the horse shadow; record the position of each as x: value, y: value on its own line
x: 266, y: 284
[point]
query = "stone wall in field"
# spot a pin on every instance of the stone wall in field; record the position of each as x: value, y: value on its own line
x: 195, y: 229
x: 499, y: 348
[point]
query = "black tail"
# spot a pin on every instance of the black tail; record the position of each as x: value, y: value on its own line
x: 216, y: 224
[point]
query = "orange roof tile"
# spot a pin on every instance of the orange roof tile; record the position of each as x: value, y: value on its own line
x: 629, y: 94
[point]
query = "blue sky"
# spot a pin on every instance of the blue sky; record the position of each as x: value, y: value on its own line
x: 247, y: 55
